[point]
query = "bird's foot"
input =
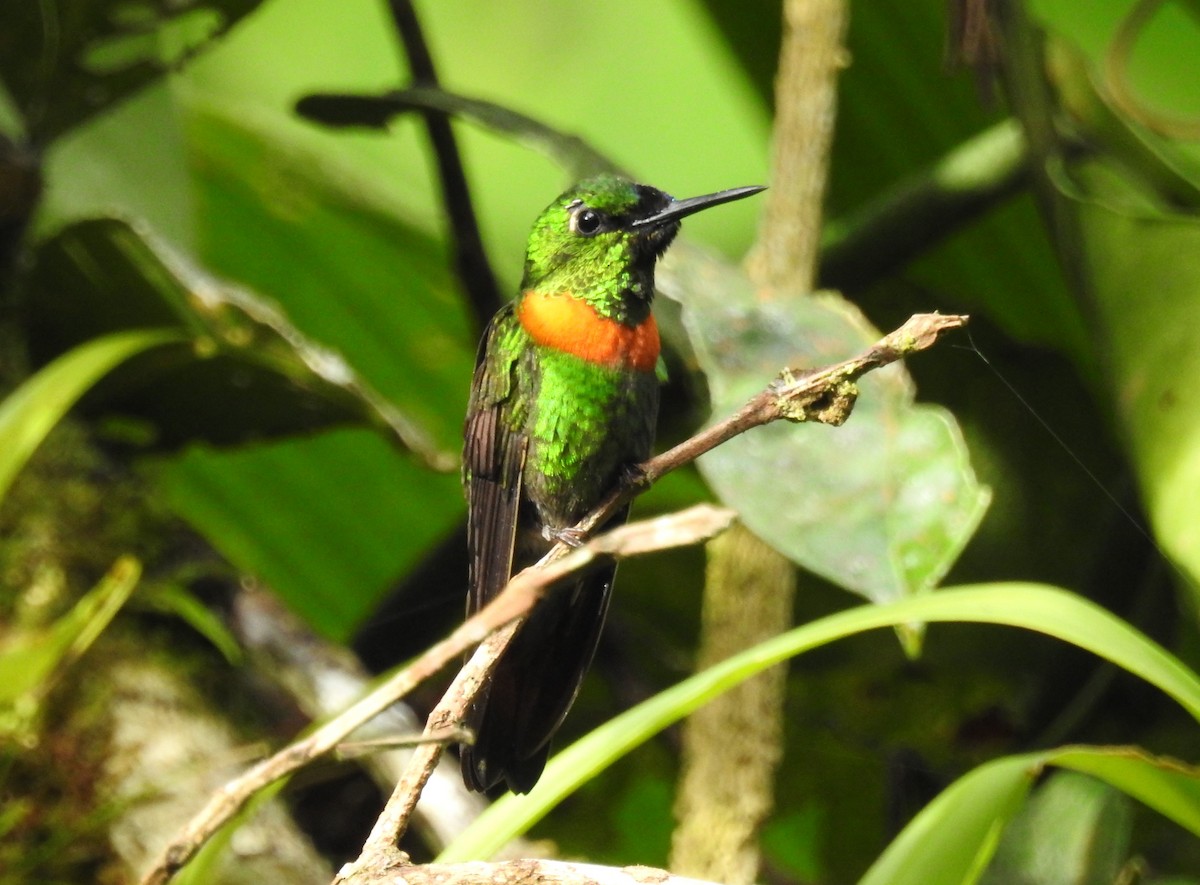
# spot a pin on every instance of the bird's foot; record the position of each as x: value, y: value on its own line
x: 571, y: 536
x: 634, y: 477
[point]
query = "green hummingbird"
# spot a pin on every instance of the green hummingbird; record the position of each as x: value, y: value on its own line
x: 563, y: 401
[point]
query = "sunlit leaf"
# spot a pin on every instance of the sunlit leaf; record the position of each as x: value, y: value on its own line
x: 31, y: 660
x: 1073, y: 829
x: 1144, y: 267
x: 952, y: 839
x: 1043, y: 609
x: 882, y: 505
x: 31, y: 411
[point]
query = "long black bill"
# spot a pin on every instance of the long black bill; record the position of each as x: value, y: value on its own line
x: 680, y: 208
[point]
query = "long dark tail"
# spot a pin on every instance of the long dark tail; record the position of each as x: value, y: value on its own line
x: 534, y: 685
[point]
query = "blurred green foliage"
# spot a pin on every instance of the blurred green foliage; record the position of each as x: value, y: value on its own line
x: 201, y: 201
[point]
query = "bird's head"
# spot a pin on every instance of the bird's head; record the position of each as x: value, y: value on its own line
x: 600, y: 239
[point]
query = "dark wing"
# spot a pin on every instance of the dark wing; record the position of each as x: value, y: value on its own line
x: 493, y: 460
x: 535, y: 683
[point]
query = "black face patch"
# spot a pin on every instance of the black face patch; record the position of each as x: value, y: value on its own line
x: 651, y: 201
x: 654, y: 241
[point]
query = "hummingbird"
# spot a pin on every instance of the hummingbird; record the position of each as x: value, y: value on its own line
x: 563, y: 404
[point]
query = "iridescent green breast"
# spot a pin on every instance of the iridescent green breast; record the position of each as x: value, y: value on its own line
x: 586, y: 423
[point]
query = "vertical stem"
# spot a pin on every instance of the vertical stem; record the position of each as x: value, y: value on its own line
x: 470, y: 258
x: 806, y: 97
x: 733, y: 745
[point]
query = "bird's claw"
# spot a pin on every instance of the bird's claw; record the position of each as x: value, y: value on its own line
x: 634, y: 477
x: 571, y: 536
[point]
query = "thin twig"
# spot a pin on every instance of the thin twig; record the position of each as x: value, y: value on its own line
x: 570, y: 151
x: 690, y: 526
x: 324, y: 678
x: 546, y: 872
x: 675, y: 530
x: 470, y: 258
x: 354, y: 749
x: 824, y: 395
x: 856, y: 250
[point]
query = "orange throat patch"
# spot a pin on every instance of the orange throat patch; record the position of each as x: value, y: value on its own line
x: 573, y: 326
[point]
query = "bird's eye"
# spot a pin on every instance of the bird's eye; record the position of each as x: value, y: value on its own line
x: 587, y: 222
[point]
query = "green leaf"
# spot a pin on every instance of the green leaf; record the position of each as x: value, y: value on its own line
x: 32, y: 410
x: 328, y: 522
x: 360, y: 276
x: 1034, y: 607
x: 952, y: 839
x: 1144, y: 270
x: 254, y: 375
x: 1074, y: 830
x: 882, y: 505
x: 257, y: 375
x: 574, y: 154
x: 1169, y: 787
x: 31, y: 660
x: 63, y: 63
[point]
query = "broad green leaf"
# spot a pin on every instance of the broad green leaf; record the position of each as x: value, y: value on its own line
x: 360, y: 276
x: 64, y: 62
x: 254, y: 374
x: 1169, y: 787
x: 952, y: 839
x: 30, y: 660
x: 1145, y: 276
x: 899, y: 111
x: 257, y: 376
x: 31, y: 411
x: 1032, y: 607
x: 1074, y: 830
x: 328, y: 522
x: 1122, y: 225
x: 882, y: 505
